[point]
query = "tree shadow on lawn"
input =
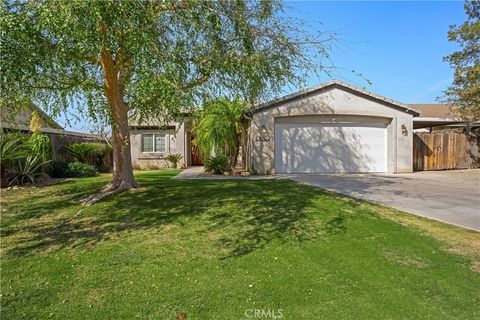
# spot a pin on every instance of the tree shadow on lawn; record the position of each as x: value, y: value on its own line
x: 245, y: 214
x: 60, y: 196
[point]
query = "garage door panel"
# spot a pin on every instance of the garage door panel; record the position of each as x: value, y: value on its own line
x: 317, y: 148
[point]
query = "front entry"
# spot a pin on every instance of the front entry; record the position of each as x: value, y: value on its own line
x: 196, y: 158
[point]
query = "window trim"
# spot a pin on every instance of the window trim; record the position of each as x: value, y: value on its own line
x: 154, y: 137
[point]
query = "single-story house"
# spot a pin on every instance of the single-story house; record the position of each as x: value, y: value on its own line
x: 152, y: 140
x: 21, y: 119
x: 332, y: 127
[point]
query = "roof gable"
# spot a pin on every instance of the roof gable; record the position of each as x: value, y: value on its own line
x: 22, y: 116
x: 53, y: 124
x: 339, y: 85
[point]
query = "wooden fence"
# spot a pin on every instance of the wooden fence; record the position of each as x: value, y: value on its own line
x: 60, y: 140
x: 445, y: 150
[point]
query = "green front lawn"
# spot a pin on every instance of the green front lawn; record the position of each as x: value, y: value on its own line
x: 214, y: 249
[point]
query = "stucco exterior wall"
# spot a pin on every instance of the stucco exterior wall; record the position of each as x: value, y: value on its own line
x: 333, y: 105
x: 175, y: 142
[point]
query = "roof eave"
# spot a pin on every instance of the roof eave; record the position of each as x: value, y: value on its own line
x: 313, y: 90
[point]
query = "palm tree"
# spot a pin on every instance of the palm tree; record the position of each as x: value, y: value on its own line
x: 82, y: 152
x: 219, y: 127
x: 174, y: 159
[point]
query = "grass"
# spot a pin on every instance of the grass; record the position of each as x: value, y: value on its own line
x: 214, y: 249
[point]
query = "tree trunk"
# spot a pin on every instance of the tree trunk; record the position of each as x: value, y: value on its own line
x: 122, y: 159
x: 235, y: 155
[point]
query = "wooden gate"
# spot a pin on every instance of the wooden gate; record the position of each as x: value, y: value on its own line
x: 445, y: 150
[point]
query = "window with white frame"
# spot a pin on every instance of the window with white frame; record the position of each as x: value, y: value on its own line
x: 154, y: 142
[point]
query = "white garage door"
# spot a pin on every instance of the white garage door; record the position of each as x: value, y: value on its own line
x: 330, y: 147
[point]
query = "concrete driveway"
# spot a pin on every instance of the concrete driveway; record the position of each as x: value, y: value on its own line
x: 449, y: 196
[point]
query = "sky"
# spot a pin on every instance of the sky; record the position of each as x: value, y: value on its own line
x: 398, y: 46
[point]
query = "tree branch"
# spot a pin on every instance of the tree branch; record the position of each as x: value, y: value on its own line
x: 199, y: 81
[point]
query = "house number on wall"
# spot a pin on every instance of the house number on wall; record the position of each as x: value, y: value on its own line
x: 262, y: 138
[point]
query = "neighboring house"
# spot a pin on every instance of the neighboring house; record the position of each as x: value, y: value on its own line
x: 59, y: 137
x: 329, y: 128
x: 435, y: 117
x: 21, y: 119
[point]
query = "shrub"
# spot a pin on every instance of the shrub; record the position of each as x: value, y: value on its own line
x: 174, y: 159
x: 101, y: 148
x: 90, y: 153
x: 81, y: 170
x: 83, y: 152
x: 216, y: 164
x: 103, y: 169
x: 40, y: 144
x: 12, y: 147
x: 58, y: 169
x: 28, y: 169
x: 99, y: 153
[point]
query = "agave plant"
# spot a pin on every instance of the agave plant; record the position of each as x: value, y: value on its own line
x: 83, y: 152
x: 174, y: 159
x: 12, y: 147
x: 28, y: 169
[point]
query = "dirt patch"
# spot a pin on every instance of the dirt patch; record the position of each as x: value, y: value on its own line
x: 404, y: 260
x: 139, y: 190
x: 476, y: 266
x: 95, y: 297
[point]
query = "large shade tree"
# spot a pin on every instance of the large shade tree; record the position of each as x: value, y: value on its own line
x: 464, y: 93
x: 108, y: 58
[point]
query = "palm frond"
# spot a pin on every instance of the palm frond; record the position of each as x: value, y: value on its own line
x: 83, y: 152
x: 218, y: 126
x: 12, y: 146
